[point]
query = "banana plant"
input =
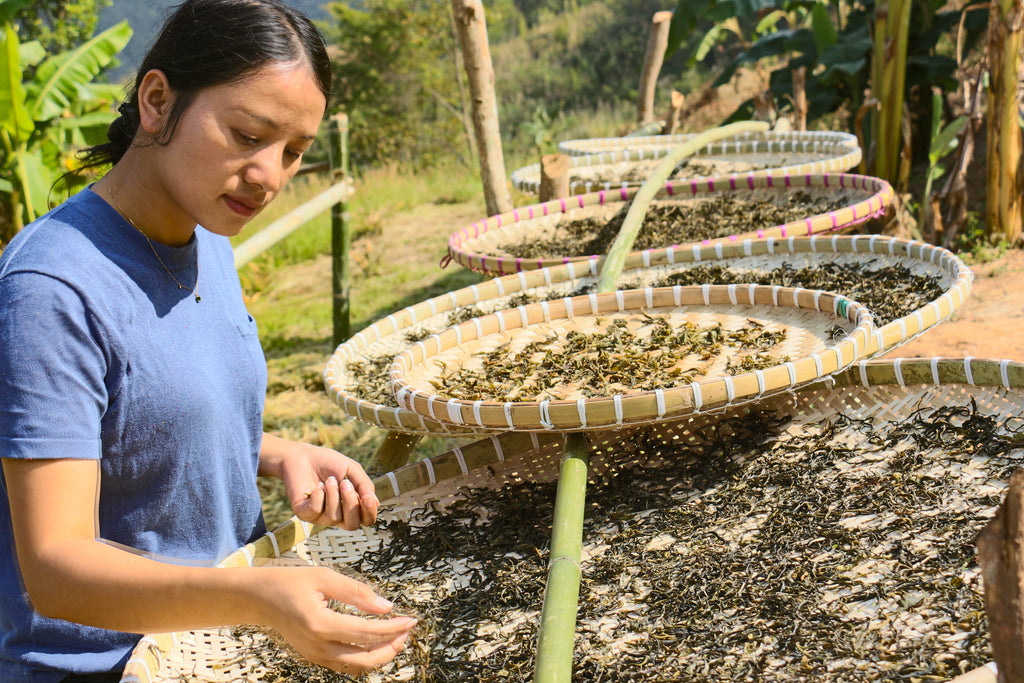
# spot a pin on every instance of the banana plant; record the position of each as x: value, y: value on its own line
x: 48, y: 106
x: 834, y: 41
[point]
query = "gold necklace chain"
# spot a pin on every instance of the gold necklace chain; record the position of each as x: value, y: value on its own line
x: 194, y: 290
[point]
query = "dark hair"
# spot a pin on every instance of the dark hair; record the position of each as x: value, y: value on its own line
x: 206, y: 43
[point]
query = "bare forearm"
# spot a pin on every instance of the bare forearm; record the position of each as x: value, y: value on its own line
x: 93, y: 583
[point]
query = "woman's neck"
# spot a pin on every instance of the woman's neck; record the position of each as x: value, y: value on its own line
x: 135, y: 193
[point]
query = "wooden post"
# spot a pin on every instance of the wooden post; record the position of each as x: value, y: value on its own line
x: 1001, y: 556
x: 476, y: 56
x: 657, y: 41
x: 393, y: 452
x: 675, y: 110
x: 1005, y: 144
x: 554, y: 177
x: 340, y: 233
x: 800, y: 98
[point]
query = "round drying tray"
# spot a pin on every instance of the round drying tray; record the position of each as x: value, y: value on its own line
x: 356, y: 374
x: 777, y: 154
x: 786, y: 141
x: 882, y: 393
x: 603, y: 361
x: 531, y: 237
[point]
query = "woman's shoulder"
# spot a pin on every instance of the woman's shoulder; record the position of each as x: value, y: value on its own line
x: 67, y: 239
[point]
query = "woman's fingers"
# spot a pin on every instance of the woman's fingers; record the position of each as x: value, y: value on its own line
x: 336, y: 503
x: 354, y: 660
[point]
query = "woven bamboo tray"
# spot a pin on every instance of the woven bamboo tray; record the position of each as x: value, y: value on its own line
x: 760, y: 154
x: 381, y: 341
x: 480, y: 245
x: 782, y: 141
x: 823, y: 333
x: 885, y: 391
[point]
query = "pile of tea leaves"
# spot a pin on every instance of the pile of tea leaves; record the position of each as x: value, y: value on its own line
x: 669, y: 223
x: 746, y: 549
x: 890, y: 292
x: 613, y: 360
x: 694, y: 167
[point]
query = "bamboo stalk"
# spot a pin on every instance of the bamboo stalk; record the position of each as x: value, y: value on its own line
x: 888, y: 79
x: 561, y: 594
x: 341, y: 235
x: 1005, y: 144
x: 800, y: 98
x: 616, y: 260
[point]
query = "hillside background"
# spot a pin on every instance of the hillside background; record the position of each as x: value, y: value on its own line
x: 146, y: 17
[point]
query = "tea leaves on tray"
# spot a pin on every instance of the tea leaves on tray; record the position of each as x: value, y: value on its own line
x: 889, y: 292
x: 609, y: 361
x: 747, y: 549
x: 669, y: 223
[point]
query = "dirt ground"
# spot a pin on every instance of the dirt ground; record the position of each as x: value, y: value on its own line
x: 990, y: 324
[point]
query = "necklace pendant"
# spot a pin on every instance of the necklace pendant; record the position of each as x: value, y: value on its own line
x: 198, y: 298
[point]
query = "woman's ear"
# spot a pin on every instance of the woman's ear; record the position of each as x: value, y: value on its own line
x: 155, y: 100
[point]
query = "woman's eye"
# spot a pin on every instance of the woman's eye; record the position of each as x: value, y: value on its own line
x: 247, y: 139
x: 293, y: 154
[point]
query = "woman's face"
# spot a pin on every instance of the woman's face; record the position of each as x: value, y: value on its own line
x: 236, y: 147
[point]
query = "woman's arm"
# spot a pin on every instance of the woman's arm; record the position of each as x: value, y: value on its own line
x: 70, y: 574
x: 324, y: 486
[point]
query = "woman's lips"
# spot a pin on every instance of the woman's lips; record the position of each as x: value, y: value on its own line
x: 241, y: 207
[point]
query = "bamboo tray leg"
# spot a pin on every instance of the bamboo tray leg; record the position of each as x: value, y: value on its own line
x: 393, y: 452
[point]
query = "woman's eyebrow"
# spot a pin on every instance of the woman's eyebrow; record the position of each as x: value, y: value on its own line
x: 270, y: 123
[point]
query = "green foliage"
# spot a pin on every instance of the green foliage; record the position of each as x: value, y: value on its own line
x: 395, y: 77
x: 49, y: 106
x: 975, y: 245
x: 832, y: 39
x: 943, y: 141
x: 58, y: 25
x: 586, y: 61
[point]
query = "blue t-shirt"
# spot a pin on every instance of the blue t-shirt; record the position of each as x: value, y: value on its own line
x: 104, y: 357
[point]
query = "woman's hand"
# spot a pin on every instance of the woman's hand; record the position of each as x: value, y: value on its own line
x: 299, y: 599
x: 324, y: 486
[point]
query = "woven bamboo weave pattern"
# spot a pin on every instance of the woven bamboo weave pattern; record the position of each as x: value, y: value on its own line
x: 886, y: 391
x: 390, y: 336
x: 777, y: 154
x: 813, y: 345
x: 788, y: 140
x: 479, y: 246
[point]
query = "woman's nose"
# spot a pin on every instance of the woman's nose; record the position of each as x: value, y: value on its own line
x: 265, y: 169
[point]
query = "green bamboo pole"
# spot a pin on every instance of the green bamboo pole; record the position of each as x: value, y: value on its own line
x: 340, y: 233
x: 562, y: 591
x: 617, y: 253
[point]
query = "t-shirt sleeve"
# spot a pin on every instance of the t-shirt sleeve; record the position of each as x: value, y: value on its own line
x: 52, y: 370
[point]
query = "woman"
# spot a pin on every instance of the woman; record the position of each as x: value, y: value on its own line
x: 132, y: 380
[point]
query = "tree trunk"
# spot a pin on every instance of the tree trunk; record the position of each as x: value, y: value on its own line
x: 476, y: 54
x: 657, y: 41
x: 1001, y: 556
x: 554, y: 177
x: 675, y: 111
x: 1004, y: 142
